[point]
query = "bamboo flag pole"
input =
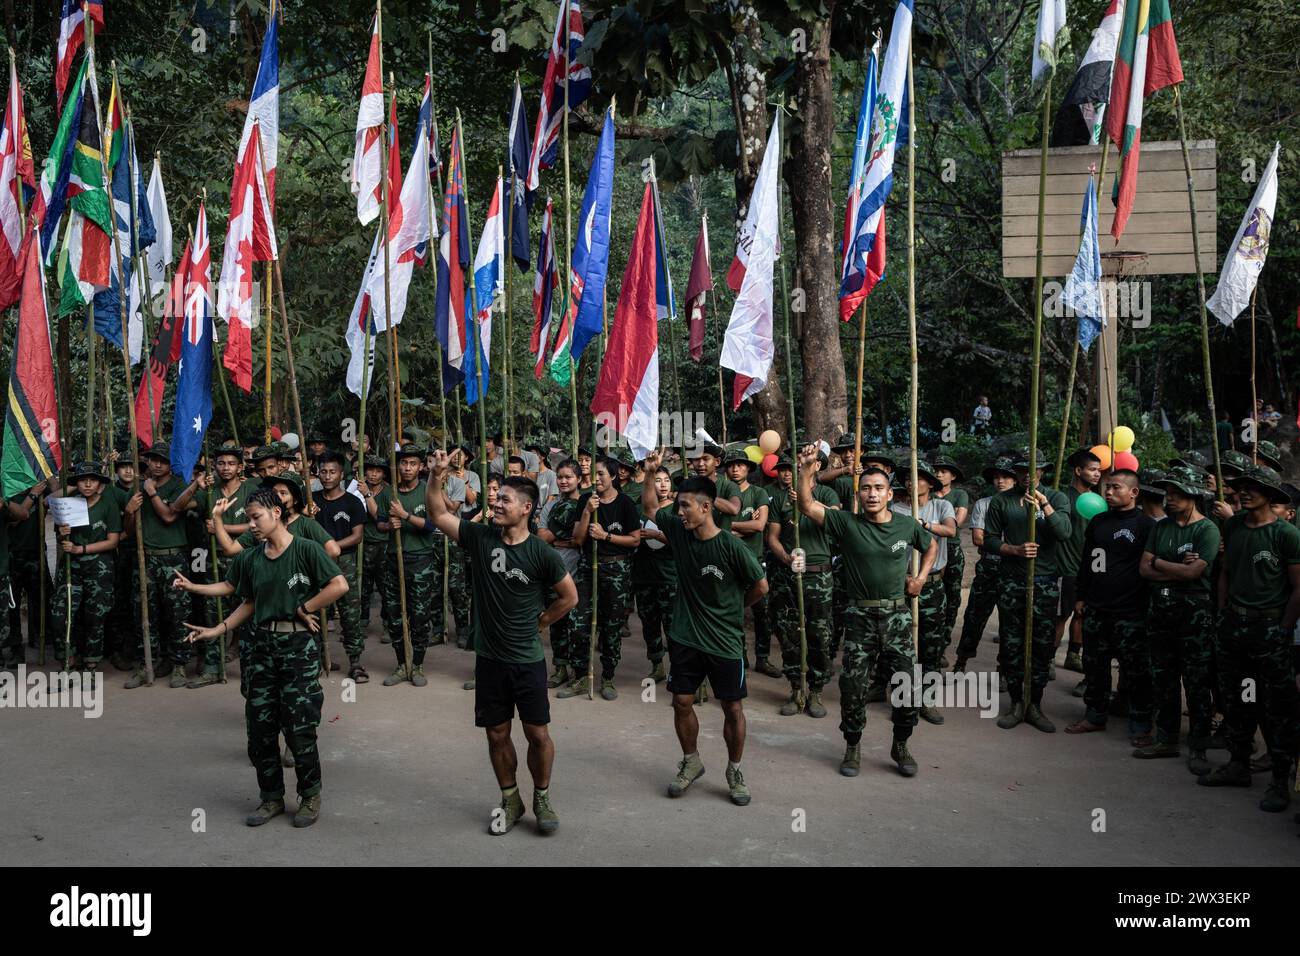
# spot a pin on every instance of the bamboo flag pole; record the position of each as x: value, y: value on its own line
x: 857, y: 415
x: 509, y: 285
x: 662, y: 251
x: 1034, y: 373
x: 130, y: 406
x: 794, y: 431
x: 717, y: 340
x: 1254, y: 396
x: 141, y: 268
x: 442, y: 395
x: 268, y: 318
x: 474, y: 330
x: 1074, y: 353
x: 568, y: 241
x: 1200, y: 288
x: 390, y: 345
x: 911, y: 328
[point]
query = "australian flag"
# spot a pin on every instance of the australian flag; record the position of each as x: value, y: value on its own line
x: 194, y: 378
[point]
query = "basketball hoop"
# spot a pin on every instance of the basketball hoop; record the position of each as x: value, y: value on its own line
x: 1123, y: 264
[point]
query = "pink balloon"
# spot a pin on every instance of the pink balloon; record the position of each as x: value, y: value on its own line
x: 1126, y: 459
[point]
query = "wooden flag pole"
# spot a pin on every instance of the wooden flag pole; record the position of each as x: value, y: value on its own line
x: 662, y: 252
x: 1034, y: 373
x: 1200, y: 288
x: 141, y: 267
x: 911, y: 330
x: 795, y: 445
x: 857, y: 415
x: 568, y: 242
x: 442, y: 395
x: 130, y: 405
x: 717, y: 340
x: 507, y: 424
x: 474, y: 332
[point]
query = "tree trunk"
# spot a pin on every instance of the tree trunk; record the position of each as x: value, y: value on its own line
x: 749, y: 95
x: 825, y: 400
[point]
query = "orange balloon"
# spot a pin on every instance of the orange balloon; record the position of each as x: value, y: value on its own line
x: 769, y: 442
x: 1102, y: 452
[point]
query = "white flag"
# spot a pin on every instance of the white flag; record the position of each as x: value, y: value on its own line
x: 748, y: 348
x: 1243, y: 264
x: 1052, y: 35
x: 158, y: 256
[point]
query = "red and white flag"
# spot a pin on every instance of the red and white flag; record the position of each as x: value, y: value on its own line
x: 544, y: 284
x: 368, y: 156
x: 16, y: 169
x: 699, y: 285
x: 627, y: 395
x: 72, y: 34
x: 748, y: 347
x: 250, y: 237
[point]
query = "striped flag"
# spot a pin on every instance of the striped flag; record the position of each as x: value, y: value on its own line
x: 368, y: 154
x: 489, y: 274
x: 264, y: 111
x: 16, y: 172
x: 543, y: 291
x: 52, y: 196
x: 1146, y: 60
x: 89, y: 237
x: 698, y: 286
x: 1078, y: 122
x: 591, y: 254
x: 550, y: 112
x: 72, y: 34
x: 453, y: 261
x: 854, y: 267
x: 194, y: 374
x: 32, y: 448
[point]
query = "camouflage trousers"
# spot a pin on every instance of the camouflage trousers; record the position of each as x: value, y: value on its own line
x: 1181, y: 636
x: 953, y: 573
x: 348, y: 609
x: 818, y: 598
x: 980, y: 605
x: 373, y: 563
x: 26, y: 570
x: 6, y: 647
x: 91, y: 599
x: 654, y: 605
x: 578, y: 621
x: 932, y: 634
x: 879, y: 637
x: 1105, y: 638
x: 423, y: 575
x: 839, y: 603
x: 121, y: 620
x: 762, y: 610
x: 1012, y: 600
x: 459, y: 591
x: 613, y: 584
x: 1258, y: 651
x: 168, y: 608
x: 283, y: 696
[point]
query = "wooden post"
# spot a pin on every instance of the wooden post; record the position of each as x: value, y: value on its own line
x: 911, y: 328
x: 857, y: 417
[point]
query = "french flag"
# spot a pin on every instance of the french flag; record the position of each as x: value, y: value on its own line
x: 544, y: 290
x: 453, y: 261
x: 264, y: 109
x: 72, y: 34
x: 489, y: 274
x: 368, y: 155
x: 550, y: 112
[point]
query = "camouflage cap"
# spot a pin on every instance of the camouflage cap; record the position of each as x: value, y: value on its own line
x: 1185, y: 481
x: 263, y: 452
x: 1269, y: 453
x: 411, y: 451
x: 623, y: 455
x: 1234, y: 463
x: 89, y: 469
x: 292, y: 481
x: 1022, y: 459
x: 1001, y: 466
x: 160, y: 449
x: 1263, y: 477
x: 1149, y: 481
x: 945, y: 461
x: 1189, y: 457
x: 844, y: 442
x: 735, y: 453
x: 229, y: 448
x: 377, y: 461
x: 704, y: 448
x: 880, y: 456
x: 925, y: 470
x: 282, y: 450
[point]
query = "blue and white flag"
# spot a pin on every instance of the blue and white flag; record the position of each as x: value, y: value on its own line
x: 665, y: 301
x: 194, y: 375
x: 1243, y: 264
x: 107, y: 303
x: 591, y: 252
x: 1083, y: 286
x: 489, y: 276
x: 518, y: 196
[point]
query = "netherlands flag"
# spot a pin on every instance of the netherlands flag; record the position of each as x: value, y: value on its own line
x: 550, y: 112
x: 489, y: 274
x: 453, y: 261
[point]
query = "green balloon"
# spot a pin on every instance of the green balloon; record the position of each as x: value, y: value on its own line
x: 1090, y: 504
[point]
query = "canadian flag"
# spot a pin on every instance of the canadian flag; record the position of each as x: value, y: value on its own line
x: 368, y: 157
x: 250, y: 237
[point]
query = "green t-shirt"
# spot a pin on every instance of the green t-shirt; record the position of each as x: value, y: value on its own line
x: 875, y: 553
x: 633, y: 490
x: 726, y: 489
x: 653, y: 565
x: 104, y: 519
x: 510, y: 584
x: 713, y: 577
x: 372, y: 534
x: 1169, y: 541
x: 751, y: 499
x: 277, y: 586
x: 235, y: 513
x: 159, y: 536
x: 1071, y: 552
x: 812, y: 536
x: 414, y: 541
x: 300, y: 527
x: 1008, y: 522
x: 1258, y: 560
x: 24, y: 536
x: 843, y: 489
x: 958, y: 498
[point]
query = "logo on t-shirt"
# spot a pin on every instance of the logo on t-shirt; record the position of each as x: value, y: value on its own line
x: 898, y: 546
x: 1126, y: 533
x: 99, y: 526
x: 297, y: 579
x: 712, y: 569
x: 517, y: 574
x: 1268, y: 557
x: 341, y: 516
x: 1184, y: 548
x: 614, y: 526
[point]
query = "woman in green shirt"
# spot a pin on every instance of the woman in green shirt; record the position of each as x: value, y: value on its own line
x: 83, y: 586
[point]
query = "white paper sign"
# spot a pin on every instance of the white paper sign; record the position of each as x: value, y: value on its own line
x: 651, y: 543
x: 355, y: 489
x: 72, y: 511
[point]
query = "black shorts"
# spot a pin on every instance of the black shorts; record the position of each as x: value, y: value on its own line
x: 689, y: 666
x: 1066, y: 607
x: 500, y: 688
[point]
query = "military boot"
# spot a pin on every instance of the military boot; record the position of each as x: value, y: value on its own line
x: 1277, y: 797
x: 900, y: 755
x: 576, y: 688
x: 738, y: 792
x: 852, y: 760
x: 1035, y: 718
x: 689, y: 770
x: 1080, y: 688
x: 547, y: 821
x: 559, y: 678
x: 397, y: 676
x: 1073, y: 661
x: 1234, y: 773
x: 507, y: 815
x: 308, y: 811
x: 205, y: 679
x: 178, y: 678
x: 607, y: 689
x: 791, y: 706
x: 1161, y: 748
x: 659, y: 673
x: 1012, y: 717
x: 417, y: 676
x: 931, y: 715
x: 264, y: 813
x: 1198, y: 763
x: 137, y: 679
x: 815, y: 706
x: 766, y: 667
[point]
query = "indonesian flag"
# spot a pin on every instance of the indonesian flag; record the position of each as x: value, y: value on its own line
x: 748, y: 347
x: 16, y: 170
x: 72, y: 33
x: 1146, y: 61
x: 368, y: 156
x: 698, y: 286
x: 627, y: 394
x: 544, y: 284
x: 550, y: 112
x: 250, y: 237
